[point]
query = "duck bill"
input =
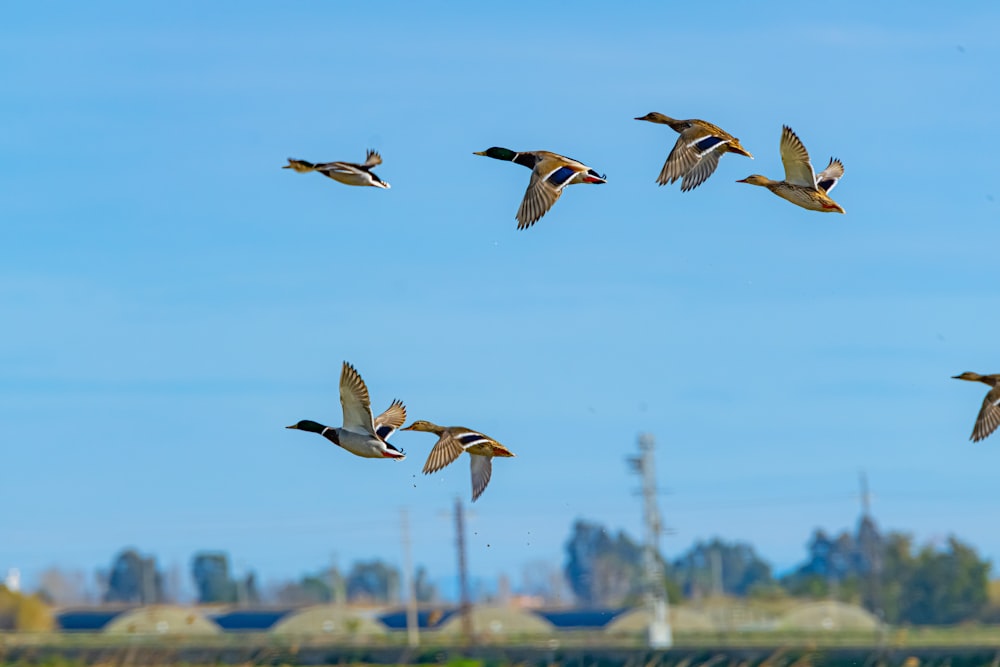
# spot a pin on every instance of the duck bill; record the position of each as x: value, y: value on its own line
x: 295, y: 426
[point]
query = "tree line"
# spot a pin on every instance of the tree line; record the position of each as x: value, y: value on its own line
x: 885, y: 573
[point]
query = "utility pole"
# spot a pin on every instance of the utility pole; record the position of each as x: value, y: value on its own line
x: 412, y: 627
x: 465, y: 606
x: 338, y: 590
x: 655, y: 593
x: 871, y: 548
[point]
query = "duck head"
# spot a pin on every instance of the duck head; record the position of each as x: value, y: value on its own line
x: 756, y: 179
x: 657, y: 117
x: 421, y: 425
x: 307, y: 425
x: 498, y: 153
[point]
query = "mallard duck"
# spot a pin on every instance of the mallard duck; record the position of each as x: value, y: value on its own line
x: 802, y: 186
x: 348, y: 173
x: 361, y: 434
x: 697, y: 151
x: 452, y: 441
x: 989, y: 414
x: 550, y: 173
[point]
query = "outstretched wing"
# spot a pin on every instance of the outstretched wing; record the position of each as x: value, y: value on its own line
x: 482, y: 470
x: 372, y: 158
x: 703, y: 168
x: 692, y: 147
x: 387, y: 422
x: 355, y: 401
x: 798, y: 168
x: 539, y: 198
x: 829, y: 177
x: 989, y: 416
x: 446, y: 450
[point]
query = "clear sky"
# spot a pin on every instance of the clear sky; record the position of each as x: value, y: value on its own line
x: 171, y: 298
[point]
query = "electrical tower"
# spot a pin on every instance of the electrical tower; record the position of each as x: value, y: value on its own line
x: 654, y: 584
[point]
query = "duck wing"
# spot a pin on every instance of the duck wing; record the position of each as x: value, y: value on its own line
x: 989, y: 416
x: 339, y: 168
x: 795, y: 157
x: 692, y: 147
x: 372, y: 159
x: 445, y: 451
x: 827, y: 179
x: 482, y: 470
x: 390, y: 420
x: 703, y: 168
x: 543, y: 191
x: 355, y: 402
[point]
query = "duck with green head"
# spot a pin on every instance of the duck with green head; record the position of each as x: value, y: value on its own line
x: 361, y: 434
x: 550, y: 173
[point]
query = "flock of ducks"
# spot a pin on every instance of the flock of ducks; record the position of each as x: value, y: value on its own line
x: 693, y: 159
x: 367, y: 436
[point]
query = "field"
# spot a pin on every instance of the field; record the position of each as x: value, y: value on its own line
x: 910, y: 647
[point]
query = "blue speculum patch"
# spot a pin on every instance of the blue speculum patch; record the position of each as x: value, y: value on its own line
x: 707, y: 143
x: 469, y: 438
x: 561, y: 175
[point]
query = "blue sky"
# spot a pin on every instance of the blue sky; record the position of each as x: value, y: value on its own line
x: 172, y: 298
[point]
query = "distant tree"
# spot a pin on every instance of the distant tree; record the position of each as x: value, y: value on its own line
x: 24, y: 612
x: 134, y: 579
x: 210, y: 570
x: 316, y: 589
x: 843, y: 567
x: 932, y: 586
x: 732, y: 567
x: 373, y: 581
x: 946, y: 586
x: 604, y: 570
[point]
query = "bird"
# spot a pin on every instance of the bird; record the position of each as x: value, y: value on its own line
x: 697, y: 151
x: 348, y: 173
x: 989, y: 414
x: 361, y: 434
x: 550, y: 173
x: 802, y: 186
x: 452, y: 441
